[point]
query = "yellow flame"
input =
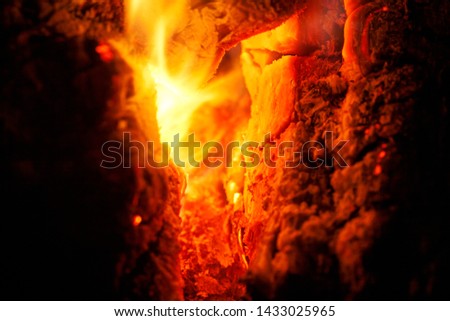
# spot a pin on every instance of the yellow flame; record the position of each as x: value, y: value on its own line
x: 162, y: 42
x: 179, y: 81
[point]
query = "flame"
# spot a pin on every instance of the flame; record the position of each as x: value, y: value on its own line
x: 180, y: 82
x: 183, y: 81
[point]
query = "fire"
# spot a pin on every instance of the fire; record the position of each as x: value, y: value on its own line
x: 189, y: 99
x: 180, y: 82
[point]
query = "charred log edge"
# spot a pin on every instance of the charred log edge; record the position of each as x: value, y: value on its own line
x: 99, y: 19
x: 283, y: 11
x: 401, y: 220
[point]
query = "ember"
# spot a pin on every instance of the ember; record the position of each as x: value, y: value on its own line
x: 105, y: 52
x: 137, y: 219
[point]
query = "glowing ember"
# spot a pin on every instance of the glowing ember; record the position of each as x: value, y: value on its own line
x: 378, y: 170
x: 137, y: 220
x: 105, y: 52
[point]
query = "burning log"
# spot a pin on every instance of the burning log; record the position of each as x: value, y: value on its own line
x: 73, y: 229
x: 233, y: 21
x: 205, y: 30
x: 358, y: 231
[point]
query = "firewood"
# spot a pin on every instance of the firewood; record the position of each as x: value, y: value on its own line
x: 213, y: 27
x: 373, y: 230
x: 73, y: 229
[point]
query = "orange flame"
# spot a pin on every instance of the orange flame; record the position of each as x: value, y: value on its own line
x: 179, y: 81
x: 155, y: 48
